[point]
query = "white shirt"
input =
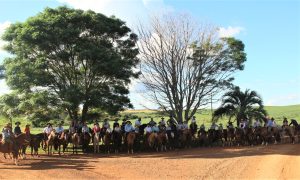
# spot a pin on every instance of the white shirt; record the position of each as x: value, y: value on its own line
x: 47, y: 130
x: 137, y: 123
x: 162, y: 122
x: 148, y: 129
x: 85, y: 129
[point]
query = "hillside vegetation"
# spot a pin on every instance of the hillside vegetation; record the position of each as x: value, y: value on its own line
x: 203, y: 116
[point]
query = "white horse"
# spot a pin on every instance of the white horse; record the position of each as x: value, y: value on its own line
x: 96, y: 141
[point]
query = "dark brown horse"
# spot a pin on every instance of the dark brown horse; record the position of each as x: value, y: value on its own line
x: 10, y: 146
x: 117, y: 140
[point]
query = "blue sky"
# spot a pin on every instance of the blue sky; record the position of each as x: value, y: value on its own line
x: 269, y: 29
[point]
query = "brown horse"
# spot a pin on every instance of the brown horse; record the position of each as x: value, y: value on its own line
x: 152, y: 141
x: 162, y: 140
x: 10, y: 147
x: 107, y: 141
x: 130, y: 141
x: 230, y: 136
x: 185, y: 138
x: 290, y: 132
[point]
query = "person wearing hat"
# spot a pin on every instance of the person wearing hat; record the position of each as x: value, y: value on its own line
x: 151, y: 122
x: 116, y: 123
x: 6, y: 133
x: 123, y: 125
x: 17, y: 130
x: 128, y: 128
x: 85, y: 129
x: 162, y: 122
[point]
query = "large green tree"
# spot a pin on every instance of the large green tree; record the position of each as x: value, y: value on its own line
x: 82, y: 58
x: 241, y: 105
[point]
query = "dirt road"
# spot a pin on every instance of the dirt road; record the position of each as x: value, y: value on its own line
x: 271, y: 162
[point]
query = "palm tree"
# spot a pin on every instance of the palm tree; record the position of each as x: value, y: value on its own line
x: 240, y: 105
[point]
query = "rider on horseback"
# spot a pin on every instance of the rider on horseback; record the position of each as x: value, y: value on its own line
x: 138, y: 123
x: 59, y: 130
x: 285, y: 122
x: 17, y: 130
x: 6, y: 134
x: 256, y: 124
x: 214, y: 126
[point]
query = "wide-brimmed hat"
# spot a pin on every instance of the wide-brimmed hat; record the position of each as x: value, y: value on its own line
x: 162, y: 118
x: 27, y: 125
x: 16, y: 123
x: 128, y: 122
x: 49, y: 123
x: 96, y: 123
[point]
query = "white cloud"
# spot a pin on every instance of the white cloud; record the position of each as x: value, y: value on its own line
x: 230, y: 31
x: 283, y: 100
x: 3, y: 26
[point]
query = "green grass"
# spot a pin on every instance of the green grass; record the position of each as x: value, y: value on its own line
x: 202, y: 117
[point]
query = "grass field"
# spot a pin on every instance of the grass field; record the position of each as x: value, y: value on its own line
x: 202, y: 117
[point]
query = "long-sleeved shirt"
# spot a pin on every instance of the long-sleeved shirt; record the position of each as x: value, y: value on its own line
x: 17, y: 130
x: 85, y: 129
x: 270, y: 123
x: 59, y: 129
x: 47, y: 130
x: 137, y: 123
x: 128, y: 128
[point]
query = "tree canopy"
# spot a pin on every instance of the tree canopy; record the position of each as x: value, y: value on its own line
x: 78, y: 58
x: 241, y: 105
x: 183, y: 64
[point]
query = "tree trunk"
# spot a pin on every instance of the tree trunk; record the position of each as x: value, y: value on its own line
x: 84, y: 112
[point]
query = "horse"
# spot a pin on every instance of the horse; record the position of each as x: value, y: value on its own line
x: 61, y: 140
x: 10, y: 147
x: 214, y: 136
x: 185, y: 138
x: 85, y: 141
x: 50, y: 142
x: 130, y: 141
x: 96, y: 140
x: 290, y: 132
x: 117, y: 140
x: 152, y: 141
x: 250, y: 136
x: 239, y: 135
x: 22, y: 141
x: 75, y: 138
x: 162, y: 140
x: 171, y: 139
x: 202, y: 136
x: 107, y: 140
x: 35, y: 141
x: 230, y: 135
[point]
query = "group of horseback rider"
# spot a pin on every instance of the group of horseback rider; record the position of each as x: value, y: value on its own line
x: 7, y: 132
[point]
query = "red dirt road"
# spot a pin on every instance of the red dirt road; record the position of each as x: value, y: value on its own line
x: 259, y: 162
